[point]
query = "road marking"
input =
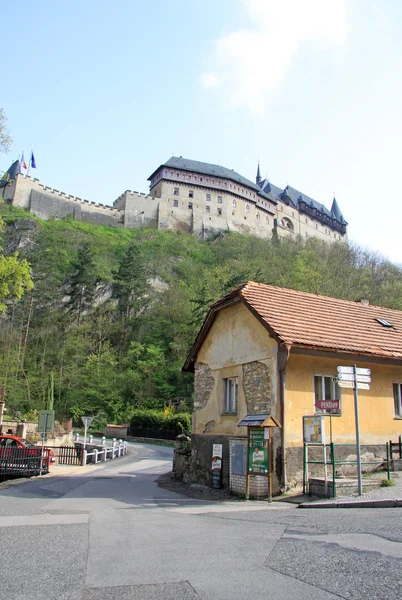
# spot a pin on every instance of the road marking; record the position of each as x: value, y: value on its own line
x: 44, y: 519
x: 226, y: 508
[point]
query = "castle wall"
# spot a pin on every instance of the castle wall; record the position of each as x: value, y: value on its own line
x: 140, y: 210
x: 204, y: 212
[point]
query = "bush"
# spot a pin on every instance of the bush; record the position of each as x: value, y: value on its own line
x: 158, y: 421
x: 387, y: 483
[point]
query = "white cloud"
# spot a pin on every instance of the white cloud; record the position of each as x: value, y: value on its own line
x: 252, y: 63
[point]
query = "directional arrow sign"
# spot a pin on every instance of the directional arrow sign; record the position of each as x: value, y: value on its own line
x: 351, y: 384
x: 350, y: 370
x: 351, y: 377
x: 346, y: 384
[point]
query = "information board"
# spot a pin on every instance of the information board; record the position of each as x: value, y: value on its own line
x: 239, y: 458
x: 314, y: 430
x: 257, y: 452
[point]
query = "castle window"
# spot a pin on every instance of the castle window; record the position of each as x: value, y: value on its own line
x: 188, y: 176
x: 200, y: 178
x: 293, y: 213
x: 247, y: 208
x: 316, y: 225
x: 191, y: 194
x: 287, y: 224
x: 257, y: 216
x: 233, y: 203
x: 171, y: 173
x: 208, y: 197
x: 219, y: 211
x: 226, y: 185
x: 213, y: 180
x: 266, y: 220
x: 177, y: 174
x: 176, y: 191
x: 208, y: 209
x: 219, y: 199
x: 166, y: 172
x: 190, y: 205
x: 207, y: 179
x: 175, y: 203
x: 306, y: 221
x: 195, y: 177
x: 219, y: 182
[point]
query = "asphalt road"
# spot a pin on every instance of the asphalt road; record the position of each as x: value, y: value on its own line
x: 113, y: 534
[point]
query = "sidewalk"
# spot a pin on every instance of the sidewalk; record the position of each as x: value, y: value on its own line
x: 383, y: 497
x: 55, y: 471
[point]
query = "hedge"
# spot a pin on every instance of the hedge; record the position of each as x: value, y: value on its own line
x: 157, y: 421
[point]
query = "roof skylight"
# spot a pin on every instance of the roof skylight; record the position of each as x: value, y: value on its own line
x: 384, y: 322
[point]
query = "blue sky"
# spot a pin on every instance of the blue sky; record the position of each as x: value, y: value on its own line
x: 105, y: 92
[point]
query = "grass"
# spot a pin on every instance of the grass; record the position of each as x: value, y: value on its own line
x: 387, y: 483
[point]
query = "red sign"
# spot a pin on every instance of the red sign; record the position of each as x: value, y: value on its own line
x: 327, y: 404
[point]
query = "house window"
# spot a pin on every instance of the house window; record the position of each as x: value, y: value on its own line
x: 191, y: 194
x: 325, y: 388
x: 208, y: 209
x: 219, y: 199
x: 175, y: 203
x: 230, y: 391
x: 190, y: 205
x: 208, y: 197
x: 176, y: 191
x: 397, y: 387
x: 234, y: 203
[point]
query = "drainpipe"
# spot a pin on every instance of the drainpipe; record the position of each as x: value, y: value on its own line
x: 282, y: 362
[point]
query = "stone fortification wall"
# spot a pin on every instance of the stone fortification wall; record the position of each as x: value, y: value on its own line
x: 47, y: 203
x: 140, y: 210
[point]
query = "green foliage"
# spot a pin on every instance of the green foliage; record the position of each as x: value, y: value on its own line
x: 5, y: 137
x: 387, y: 483
x: 141, y: 297
x: 159, y: 420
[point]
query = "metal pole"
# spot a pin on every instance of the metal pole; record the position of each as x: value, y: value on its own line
x: 333, y: 471
x: 304, y: 468
x: 270, y: 466
x: 85, y: 433
x: 359, y: 464
x: 248, y: 474
x: 388, y: 462
x: 43, y: 443
x: 2, y: 392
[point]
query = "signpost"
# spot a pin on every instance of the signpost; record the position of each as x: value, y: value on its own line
x: 356, y: 378
x: 45, y: 426
x: 86, y: 421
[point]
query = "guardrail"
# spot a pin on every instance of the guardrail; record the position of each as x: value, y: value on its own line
x: 103, y: 453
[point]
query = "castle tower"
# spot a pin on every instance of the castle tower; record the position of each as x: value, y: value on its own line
x: 258, y: 178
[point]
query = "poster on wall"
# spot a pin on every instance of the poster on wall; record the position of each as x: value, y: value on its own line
x: 257, y: 452
x: 216, y: 468
x: 314, y: 430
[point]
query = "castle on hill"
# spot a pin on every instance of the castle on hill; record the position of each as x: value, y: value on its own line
x: 191, y: 196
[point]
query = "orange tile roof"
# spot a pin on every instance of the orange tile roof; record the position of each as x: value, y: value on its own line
x: 316, y: 322
x: 299, y: 318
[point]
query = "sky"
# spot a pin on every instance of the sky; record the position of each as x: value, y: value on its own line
x: 106, y: 92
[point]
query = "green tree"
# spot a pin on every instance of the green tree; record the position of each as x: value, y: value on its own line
x: 130, y: 287
x: 5, y: 137
x: 82, y: 283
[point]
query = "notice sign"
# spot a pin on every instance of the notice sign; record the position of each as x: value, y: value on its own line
x: 313, y: 430
x: 257, y: 452
x: 216, y: 466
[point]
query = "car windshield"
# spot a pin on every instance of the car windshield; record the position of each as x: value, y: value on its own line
x: 28, y: 444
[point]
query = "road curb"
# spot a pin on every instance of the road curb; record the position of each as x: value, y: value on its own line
x: 357, y: 504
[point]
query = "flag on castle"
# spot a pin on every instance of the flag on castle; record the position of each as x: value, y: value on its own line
x: 23, y: 163
x: 32, y: 161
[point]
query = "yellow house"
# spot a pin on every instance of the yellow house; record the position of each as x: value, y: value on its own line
x: 264, y: 349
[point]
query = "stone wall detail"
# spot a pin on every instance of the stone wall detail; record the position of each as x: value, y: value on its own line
x: 257, y: 387
x: 203, y: 385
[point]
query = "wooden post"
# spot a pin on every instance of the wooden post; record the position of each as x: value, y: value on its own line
x: 270, y: 467
x: 247, y: 472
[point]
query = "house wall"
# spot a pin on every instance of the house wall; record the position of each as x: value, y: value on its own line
x: 376, y: 406
x: 237, y: 345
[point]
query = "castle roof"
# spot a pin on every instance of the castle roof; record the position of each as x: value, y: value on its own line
x: 294, y: 197
x: 12, y: 173
x: 204, y: 168
x: 321, y: 323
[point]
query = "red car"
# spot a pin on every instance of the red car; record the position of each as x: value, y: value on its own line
x: 12, y: 441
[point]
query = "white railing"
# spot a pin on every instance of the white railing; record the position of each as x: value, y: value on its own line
x: 105, y: 452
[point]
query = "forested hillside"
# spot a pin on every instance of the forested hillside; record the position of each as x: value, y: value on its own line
x: 114, y: 312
